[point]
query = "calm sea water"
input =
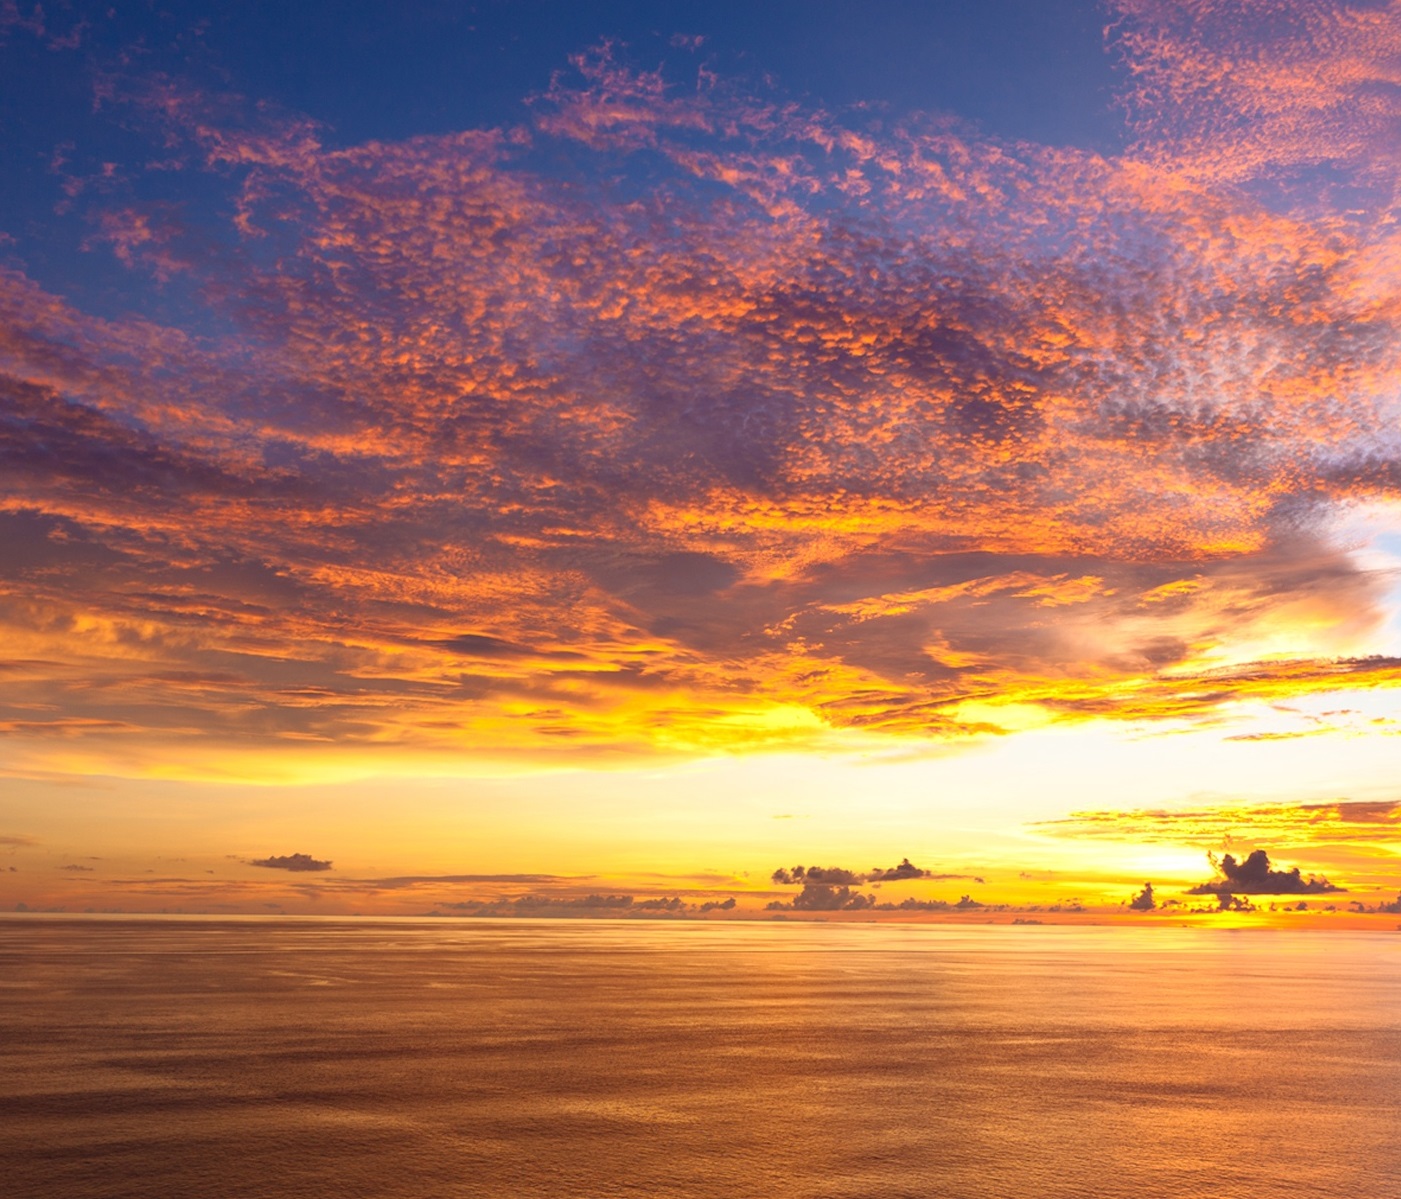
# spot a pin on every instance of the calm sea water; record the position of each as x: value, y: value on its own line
x: 504, y: 1059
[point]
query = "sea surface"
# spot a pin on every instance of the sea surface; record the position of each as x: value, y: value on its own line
x: 207, y: 1058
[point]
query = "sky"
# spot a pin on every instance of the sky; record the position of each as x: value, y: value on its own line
x: 929, y: 461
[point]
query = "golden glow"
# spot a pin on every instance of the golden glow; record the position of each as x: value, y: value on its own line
x: 898, y: 456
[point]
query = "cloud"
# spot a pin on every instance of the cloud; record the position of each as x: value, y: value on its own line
x: 824, y: 897
x: 893, y: 874
x: 670, y: 904
x: 17, y: 841
x: 829, y: 888
x: 1143, y: 901
x: 965, y: 903
x: 481, y: 646
x: 1334, y: 822
x: 1253, y: 876
x: 598, y: 905
x: 910, y: 904
x: 401, y: 882
x: 1256, y: 89
x: 738, y: 427
x: 297, y: 863
x: 824, y: 875
x: 838, y: 876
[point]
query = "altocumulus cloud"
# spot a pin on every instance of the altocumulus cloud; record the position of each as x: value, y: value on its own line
x: 740, y: 425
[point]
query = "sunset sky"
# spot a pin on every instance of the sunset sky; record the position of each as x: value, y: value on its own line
x: 456, y: 453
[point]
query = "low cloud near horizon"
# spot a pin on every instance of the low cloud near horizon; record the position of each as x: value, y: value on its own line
x: 1254, y: 876
x: 840, y: 876
x: 296, y: 862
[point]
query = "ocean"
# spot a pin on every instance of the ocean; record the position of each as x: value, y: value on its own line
x: 204, y: 1058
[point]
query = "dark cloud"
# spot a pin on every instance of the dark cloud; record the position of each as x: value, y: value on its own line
x: 482, y: 646
x: 829, y: 888
x: 840, y: 876
x: 17, y: 841
x: 965, y: 903
x: 32, y: 541
x: 824, y: 897
x: 671, y: 904
x: 296, y: 862
x: 910, y: 904
x: 77, y: 869
x: 681, y: 574
x: 1143, y: 901
x: 1254, y: 876
x: 906, y: 869
x: 824, y: 875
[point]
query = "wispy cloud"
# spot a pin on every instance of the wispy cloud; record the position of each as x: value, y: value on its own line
x: 1293, y: 824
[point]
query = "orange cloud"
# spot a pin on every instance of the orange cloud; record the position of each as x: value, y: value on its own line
x: 1372, y: 822
x: 753, y: 430
x: 1252, y: 88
